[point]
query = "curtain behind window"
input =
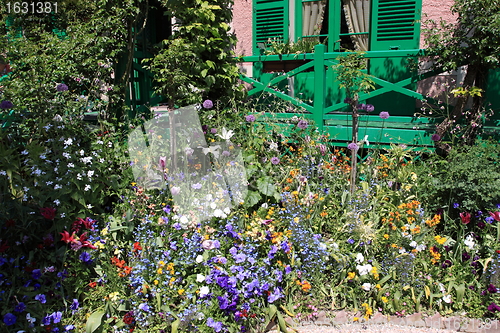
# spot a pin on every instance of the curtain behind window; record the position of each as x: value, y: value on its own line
x: 312, y: 17
x: 358, y: 19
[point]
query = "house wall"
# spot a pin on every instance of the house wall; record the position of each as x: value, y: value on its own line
x: 242, y: 27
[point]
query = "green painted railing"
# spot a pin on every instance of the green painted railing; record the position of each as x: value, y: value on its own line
x: 333, y: 118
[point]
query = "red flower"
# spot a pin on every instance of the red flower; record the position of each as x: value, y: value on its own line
x: 48, y: 212
x: 85, y: 243
x: 496, y: 216
x: 465, y: 218
x: 137, y: 247
x: 66, y: 237
x: 128, y: 318
x: 92, y: 284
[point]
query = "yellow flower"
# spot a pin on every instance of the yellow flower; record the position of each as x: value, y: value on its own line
x: 104, y: 231
x: 386, y: 236
x: 180, y: 291
x: 156, y: 282
x: 159, y: 271
x: 351, y: 275
x: 355, y: 319
x: 378, y: 286
x: 384, y: 299
x: 113, y: 296
x: 99, y: 245
x: 440, y: 240
x: 296, y: 220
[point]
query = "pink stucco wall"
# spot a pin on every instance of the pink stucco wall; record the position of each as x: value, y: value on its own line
x: 435, y: 10
x: 242, y: 26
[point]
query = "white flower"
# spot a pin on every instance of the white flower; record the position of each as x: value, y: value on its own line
x: 24, y: 152
x: 442, y: 288
x: 413, y: 244
x: 89, y: 206
x: 57, y: 202
x: 204, y: 291
x: 227, y: 210
x: 184, y: 222
x: 3, y: 173
x: 226, y: 135
x: 359, y: 258
x: 264, y: 205
x: 447, y: 299
x: 366, y: 286
x: 213, y: 205
x: 211, y: 149
x: 57, y: 186
x: 402, y: 250
x: 208, y: 244
x: 364, y: 269
x: 421, y: 247
x: 219, y: 213
x: 189, y: 151
x: 175, y: 190
x: 273, y: 146
x: 90, y: 173
x: 87, y: 160
x: 469, y: 242
x: 87, y: 187
x: 70, y: 165
x: 199, y: 258
x: 68, y: 142
x: 200, y: 277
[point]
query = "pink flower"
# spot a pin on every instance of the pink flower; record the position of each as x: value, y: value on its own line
x: 496, y: 216
x: 465, y: 217
x: 48, y: 212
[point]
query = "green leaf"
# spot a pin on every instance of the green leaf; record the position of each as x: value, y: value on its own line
x: 175, y: 325
x: 265, y: 186
x: 94, y: 321
x: 252, y: 198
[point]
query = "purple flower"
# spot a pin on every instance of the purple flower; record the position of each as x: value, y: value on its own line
x: 493, y: 307
x: 9, y: 319
x: 20, y: 307
x: 41, y: 298
x: 6, y: 105
x: 370, y: 108
x: 62, y: 87
x: 216, y: 325
x: 162, y: 162
x: 166, y: 209
x: 302, y: 124
x: 361, y: 107
x: 275, y: 295
x: 208, y: 104
x: 36, y: 274
x: 144, y: 307
x: 213, y: 130
x: 353, y: 146
x: 492, y: 289
x: 196, y: 186
x: 239, y: 258
x: 275, y: 160
x: 75, y: 305
x: 455, y: 205
x: 46, y: 320
x: 435, y: 137
x: 348, y: 100
x: 250, y: 118
x: 85, y: 257
x: 56, y: 317
x: 384, y: 115
x: 350, y: 241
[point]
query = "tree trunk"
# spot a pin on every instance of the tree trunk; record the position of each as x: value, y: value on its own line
x: 458, y: 110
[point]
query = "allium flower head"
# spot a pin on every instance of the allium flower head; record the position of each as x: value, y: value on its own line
x: 302, y: 124
x: 208, y: 104
x: 275, y: 160
x: 384, y: 115
x: 353, y: 146
x: 6, y: 105
x: 369, y: 108
x: 62, y: 87
x: 250, y: 118
x: 435, y: 137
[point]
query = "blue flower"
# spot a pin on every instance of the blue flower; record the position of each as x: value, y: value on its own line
x: 6, y: 105
x: 9, y: 319
x: 144, y: 307
x: 20, y: 307
x: 36, y: 274
x: 455, y: 205
x: 56, y: 317
x: 41, y: 298
x: 216, y: 325
x: 275, y: 295
x: 75, y: 305
x: 350, y: 241
x: 85, y: 257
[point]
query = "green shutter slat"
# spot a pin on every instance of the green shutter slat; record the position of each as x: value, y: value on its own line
x: 270, y: 19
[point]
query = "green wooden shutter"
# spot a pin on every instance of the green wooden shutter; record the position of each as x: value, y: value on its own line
x: 270, y: 20
x: 395, y: 25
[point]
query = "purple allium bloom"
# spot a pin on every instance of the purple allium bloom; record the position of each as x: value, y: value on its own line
x: 20, y: 307
x: 213, y: 130
x: 208, y: 104
x: 493, y: 307
x: 250, y: 118
x: 41, y: 298
x: 384, y: 115
x: 435, y: 137
x: 62, y: 87
x: 36, y: 274
x: 353, y: 146
x: 204, y: 128
x: 6, y: 105
x: 361, y: 107
x: 85, y: 257
x: 9, y: 319
x: 302, y: 124
x: 275, y: 160
x: 370, y: 108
